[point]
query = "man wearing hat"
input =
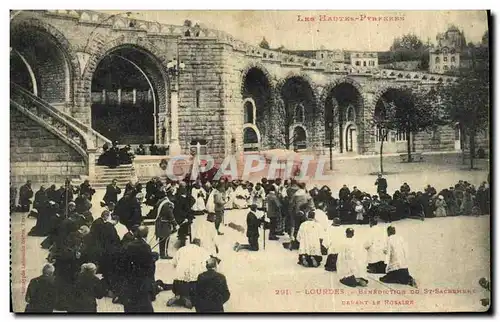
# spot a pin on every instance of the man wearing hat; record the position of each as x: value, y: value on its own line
x: 165, y: 224
x: 310, y: 237
x: 333, y: 241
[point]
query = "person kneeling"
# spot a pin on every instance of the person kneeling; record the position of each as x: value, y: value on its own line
x: 350, y: 265
x: 310, y: 237
x: 189, y: 262
x: 253, y: 224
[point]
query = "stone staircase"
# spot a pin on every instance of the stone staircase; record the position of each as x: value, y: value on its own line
x: 104, y: 175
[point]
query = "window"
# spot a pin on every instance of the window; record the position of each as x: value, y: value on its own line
x: 437, y: 60
x: 350, y: 115
x: 445, y: 67
x: 322, y: 55
x: 372, y: 63
x: 250, y: 139
x: 249, y: 117
x: 299, y: 138
x: 298, y: 115
x: 379, y: 134
x: 453, y: 59
x: 357, y: 63
x: 400, y: 135
x: 198, y: 98
x: 445, y: 58
x: 364, y: 63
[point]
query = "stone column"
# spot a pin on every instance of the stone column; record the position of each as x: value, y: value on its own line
x: 103, y: 100
x: 134, y: 96
x: 174, y: 147
x: 119, y: 94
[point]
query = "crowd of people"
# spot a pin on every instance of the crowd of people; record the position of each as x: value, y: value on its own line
x: 115, y: 156
x: 81, y: 247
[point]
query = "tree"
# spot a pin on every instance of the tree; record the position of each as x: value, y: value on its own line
x: 466, y: 101
x: 485, y: 40
x: 408, y: 42
x: 410, y: 47
x: 188, y: 23
x: 416, y: 111
x: 384, y: 121
x: 283, y: 121
x: 264, y: 44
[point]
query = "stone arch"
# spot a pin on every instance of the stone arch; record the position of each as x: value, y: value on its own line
x: 262, y: 68
x: 380, y: 92
x: 20, y: 23
x: 336, y: 114
x: 138, y: 42
x: 304, y: 129
x: 261, y: 94
x: 153, y: 65
x: 71, y: 68
x: 330, y: 86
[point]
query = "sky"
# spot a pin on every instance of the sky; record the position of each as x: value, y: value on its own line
x: 285, y: 28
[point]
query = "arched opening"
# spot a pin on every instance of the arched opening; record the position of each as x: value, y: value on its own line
x: 21, y: 72
x: 299, y: 107
x: 350, y: 138
x: 249, y: 107
x: 251, y: 138
x: 257, y: 98
x: 299, y: 138
x: 128, y: 91
x: 342, y: 105
x: 39, y: 64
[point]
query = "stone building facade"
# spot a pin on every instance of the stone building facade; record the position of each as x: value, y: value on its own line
x: 445, y: 56
x: 229, y: 95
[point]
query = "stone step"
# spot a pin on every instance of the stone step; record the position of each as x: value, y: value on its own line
x: 101, y: 170
x: 112, y: 176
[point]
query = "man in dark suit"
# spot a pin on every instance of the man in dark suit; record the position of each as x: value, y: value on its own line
x: 112, y: 192
x: 211, y: 289
x: 273, y: 205
x: 25, y: 194
x: 40, y: 295
x: 381, y: 184
x: 253, y: 224
x: 139, y: 292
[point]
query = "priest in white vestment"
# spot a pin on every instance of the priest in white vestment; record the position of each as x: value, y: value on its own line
x: 310, y: 237
x: 199, y: 195
x: 351, y: 264
x: 397, y: 260
x: 334, y: 239
x: 241, y: 197
x: 204, y: 230
x: 189, y: 262
x: 375, y: 243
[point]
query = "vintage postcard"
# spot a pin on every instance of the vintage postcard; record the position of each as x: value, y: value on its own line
x: 250, y: 161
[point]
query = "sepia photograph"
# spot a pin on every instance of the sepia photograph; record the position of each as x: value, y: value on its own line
x: 250, y: 161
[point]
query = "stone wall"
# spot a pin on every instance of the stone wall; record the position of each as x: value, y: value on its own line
x: 201, y: 112
x: 38, y: 155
